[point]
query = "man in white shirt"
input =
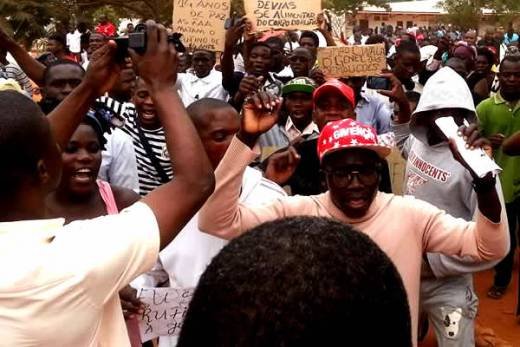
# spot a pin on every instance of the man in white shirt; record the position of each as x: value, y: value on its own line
x: 74, y: 42
x: 59, y: 284
x: 205, y: 83
x: 118, y: 165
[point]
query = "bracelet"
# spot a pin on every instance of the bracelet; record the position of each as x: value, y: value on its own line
x: 484, y: 186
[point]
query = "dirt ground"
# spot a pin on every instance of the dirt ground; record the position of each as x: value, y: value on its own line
x: 498, y: 315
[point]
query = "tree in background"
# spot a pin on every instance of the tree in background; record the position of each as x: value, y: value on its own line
x: 27, y: 19
x: 465, y: 14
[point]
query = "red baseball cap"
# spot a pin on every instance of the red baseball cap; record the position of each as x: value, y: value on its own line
x: 348, y: 133
x: 336, y: 86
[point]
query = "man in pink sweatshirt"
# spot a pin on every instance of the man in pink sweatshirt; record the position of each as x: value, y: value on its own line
x: 350, y: 155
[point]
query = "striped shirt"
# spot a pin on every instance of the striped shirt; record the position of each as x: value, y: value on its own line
x: 15, y: 73
x: 149, y: 178
x: 114, y: 105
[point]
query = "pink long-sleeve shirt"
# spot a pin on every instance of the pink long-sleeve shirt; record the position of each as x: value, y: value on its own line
x: 403, y: 227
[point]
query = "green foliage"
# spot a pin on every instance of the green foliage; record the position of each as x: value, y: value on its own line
x: 467, y: 13
x: 352, y: 6
x: 463, y: 13
x: 25, y: 19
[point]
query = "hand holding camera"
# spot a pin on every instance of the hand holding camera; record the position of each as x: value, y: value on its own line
x: 102, y: 71
x: 138, y: 41
x: 157, y: 66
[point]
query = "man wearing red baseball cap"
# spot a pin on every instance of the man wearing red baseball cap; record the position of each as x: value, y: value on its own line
x: 350, y: 155
x: 333, y: 100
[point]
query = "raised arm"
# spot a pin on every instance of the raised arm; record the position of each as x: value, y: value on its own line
x: 175, y: 202
x: 32, y: 67
x: 233, y: 34
x: 100, y: 77
x: 328, y: 37
x: 222, y: 215
x: 485, y: 187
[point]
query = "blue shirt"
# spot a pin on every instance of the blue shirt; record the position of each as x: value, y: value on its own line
x: 508, y: 41
x: 374, y: 111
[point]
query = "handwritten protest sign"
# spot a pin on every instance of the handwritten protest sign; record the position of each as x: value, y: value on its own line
x: 287, y: 14
x: 366, y: 60
x: 165, y: 309
x: 201, y: 22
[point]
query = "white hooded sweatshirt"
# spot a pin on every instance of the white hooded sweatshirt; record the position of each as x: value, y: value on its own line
x: 432, y: 174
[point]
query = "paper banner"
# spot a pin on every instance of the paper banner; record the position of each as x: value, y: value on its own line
x: 346, y: 61
x: 165, y: 309
x: 287, y: 14
x: 201, y: 22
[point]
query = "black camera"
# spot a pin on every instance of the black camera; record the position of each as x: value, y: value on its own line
x: 137, y: 41
x: 379, y: 83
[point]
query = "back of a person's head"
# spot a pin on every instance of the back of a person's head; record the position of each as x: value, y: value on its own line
x: 302, y: 281
x: 407, y: 46
x: 374, y: 39
x: 23, y: 140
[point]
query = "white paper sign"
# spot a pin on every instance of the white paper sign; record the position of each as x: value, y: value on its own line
x: 476, y: 158
x: 165, y: 309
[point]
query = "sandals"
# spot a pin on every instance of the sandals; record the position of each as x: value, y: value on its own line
x: 496, y: 292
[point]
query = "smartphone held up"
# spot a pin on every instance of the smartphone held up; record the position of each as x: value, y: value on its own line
x: 379, y: 83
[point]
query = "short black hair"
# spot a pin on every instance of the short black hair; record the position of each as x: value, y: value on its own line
x: 61, y: 62
x: 199, y: 108
x: 374, y: 39
x: 488, y: 54
x: 276, y: 41
x: 211, y: 53
x: 259, y: 44
x: 23, y: 140
x: 407, y: 46
x: 512, y: 58
x: 58, y: 38
x: 311, y: 35
x: 301, y: 281
x: 96, y: 125
x: 412, y: 96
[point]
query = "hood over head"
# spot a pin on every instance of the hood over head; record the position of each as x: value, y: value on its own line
x: 445, y: 89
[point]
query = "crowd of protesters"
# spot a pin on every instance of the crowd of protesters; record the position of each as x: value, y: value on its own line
x: 254, y: 177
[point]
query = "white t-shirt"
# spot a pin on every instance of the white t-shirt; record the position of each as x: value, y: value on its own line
x: 118, y: 165
x: 60, y: 284
x: 188, y: 255
x: 74, y: 42
x: 192, y: 88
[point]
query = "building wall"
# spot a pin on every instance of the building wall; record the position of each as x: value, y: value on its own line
x: 403, y: 20
x: 395, y: 19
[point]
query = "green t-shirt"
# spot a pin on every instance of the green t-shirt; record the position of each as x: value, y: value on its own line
x: 497, y: 116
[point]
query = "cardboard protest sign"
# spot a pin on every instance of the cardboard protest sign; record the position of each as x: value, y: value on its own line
x: 287, y: 14
x: 165, y: 309
x: 201, y: 22
x: 346, y: 61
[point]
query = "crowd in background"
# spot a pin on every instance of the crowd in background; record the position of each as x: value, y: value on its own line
x: 166, y: 156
